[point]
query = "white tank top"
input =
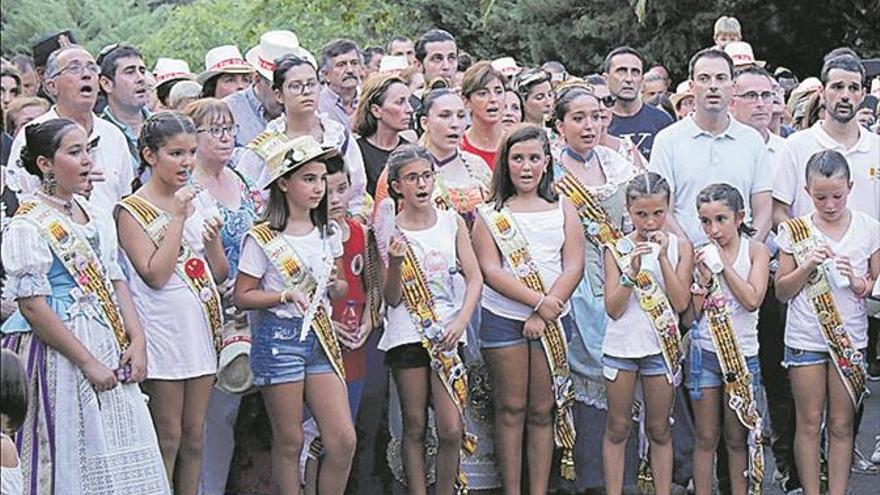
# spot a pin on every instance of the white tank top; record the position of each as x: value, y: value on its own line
x: 436, y: 251
x: 745, y: 323
x: 632, y: 335
x: 545, y: 233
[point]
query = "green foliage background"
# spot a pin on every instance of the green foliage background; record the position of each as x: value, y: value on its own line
x: 576, y: 32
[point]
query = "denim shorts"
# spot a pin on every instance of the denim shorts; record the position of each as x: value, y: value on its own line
x: 278, y: 355
x: 794, y: 358
x: 653, y: 365
x: 497, y: 331
x: 711, y: 375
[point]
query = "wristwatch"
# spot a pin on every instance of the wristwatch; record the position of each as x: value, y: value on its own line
x: 626, y: 281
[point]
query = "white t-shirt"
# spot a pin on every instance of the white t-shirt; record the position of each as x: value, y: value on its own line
x: 632, y: 335
x: 745, y: 323
x: 435, y: 248
x: 860, y: 241
x: 864, y: 167
x: 317, y: 254
x: 111, y: 156
x: 545, y: 233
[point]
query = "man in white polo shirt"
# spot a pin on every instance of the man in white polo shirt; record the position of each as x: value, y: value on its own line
x: 842, y: 91
x: 709, y: 147
x: 71, y: 79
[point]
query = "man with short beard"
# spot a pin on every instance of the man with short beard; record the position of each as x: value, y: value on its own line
x: 632, y: 119
x: 71, y: 79
x: 341, y: 71
x: 123, y: 80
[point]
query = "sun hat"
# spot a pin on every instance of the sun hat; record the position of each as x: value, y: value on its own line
x: 393, y: 64
x: 274, y: 45
x: 506, y: 66
x: 742, y: 54
x: 225, y: 59
x: 682, y: 91
x: 289, y: 155
x: 234, y: 373
x: 170, y: 69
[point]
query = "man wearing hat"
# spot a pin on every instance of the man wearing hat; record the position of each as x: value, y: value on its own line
x: 341, y: 72
x: 41, y: 51
x: 123, y: 80
x: 226, y: 72
x: 71, y: 79
x: 168, y: 72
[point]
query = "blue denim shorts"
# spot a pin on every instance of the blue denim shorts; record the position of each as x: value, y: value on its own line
x: 711, y: 374
x: 793, y: 358
x: 278, y: 355
x: 653, y: 365
x: 497, y: 331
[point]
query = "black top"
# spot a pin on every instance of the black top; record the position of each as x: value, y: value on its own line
x: 374, y: 161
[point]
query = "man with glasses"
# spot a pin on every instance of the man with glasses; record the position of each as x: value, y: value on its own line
x: 632, y: 119
x: 71, y: 79
x: 341, y: 72
x: 123, y: 81
x: 709, y: 146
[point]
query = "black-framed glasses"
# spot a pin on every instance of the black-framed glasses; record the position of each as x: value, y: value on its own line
x: 414, y: 177
x: 752, y: 96
x: 300, y: 88
x: 218, y: 132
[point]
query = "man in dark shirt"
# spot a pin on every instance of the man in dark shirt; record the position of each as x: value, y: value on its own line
x: 632, y: 119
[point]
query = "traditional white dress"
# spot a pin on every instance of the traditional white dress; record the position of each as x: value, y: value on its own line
x: 75, y: 440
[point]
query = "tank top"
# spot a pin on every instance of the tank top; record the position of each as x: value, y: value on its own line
x: 353, y: 251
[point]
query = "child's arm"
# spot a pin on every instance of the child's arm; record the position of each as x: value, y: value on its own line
x: 214, y: 254
x: 791, y: 278
x: 489, y: 259
x: 677, y: 279
x: 750, y: 293
x: 338, y: 286
x: 392, y: 289
x: 471, y: 269
x: 616, y: 295
x: 8, y: 454
x: 248, y: 295
x: 572, y: 261
x: 154, y: 265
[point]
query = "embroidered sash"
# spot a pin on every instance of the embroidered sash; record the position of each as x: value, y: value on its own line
x: 191, y: 268
x: 847, y: 359
x: 737, y: 378
x: 297, y: 277
x: 600, y: 231
x: 81, y: 262
x: 514, y: 248
x: 373, y: 278
x: 419, y: 303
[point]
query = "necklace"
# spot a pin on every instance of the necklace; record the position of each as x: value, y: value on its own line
x: 65, y: 206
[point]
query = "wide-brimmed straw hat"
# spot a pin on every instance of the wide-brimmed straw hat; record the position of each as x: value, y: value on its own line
x: 225, y: 59
x: 292, y: 154
x: 234, y: 373
x: 742, y: 54
x: 170, y: 69
x: 274, y: 45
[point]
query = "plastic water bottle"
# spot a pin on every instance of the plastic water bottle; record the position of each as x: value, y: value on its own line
x: 349, y: 316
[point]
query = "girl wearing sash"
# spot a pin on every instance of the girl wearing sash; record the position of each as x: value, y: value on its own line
x: 631, y: 348
x: 427, y: 315
x: 237, y: 202
x: 87, y: 427
x: 744, y: 267
x: 288, y: 276
x: 174, y: 258
x: 828, y: 262
x: 515, y: 317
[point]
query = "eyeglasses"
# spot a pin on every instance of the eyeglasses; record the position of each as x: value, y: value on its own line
x: 299, y: 88
x: 413, y: 178
x: 218, y: 132
x: 608, y: 101
x: 77, y: 69
x: 752, y: 96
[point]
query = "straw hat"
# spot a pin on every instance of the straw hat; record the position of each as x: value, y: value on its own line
x: 393, y: 64
x: 234, y: 373
x: 274, y: 45
x: 169, y: 69
x: 225, y: 59
x: 291, y: 154
x: 506, y: 66
x: 741, y: 53
x: 682, y: 91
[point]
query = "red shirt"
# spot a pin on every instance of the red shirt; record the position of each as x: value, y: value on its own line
x: 353, y: 260
x: 488, y: 156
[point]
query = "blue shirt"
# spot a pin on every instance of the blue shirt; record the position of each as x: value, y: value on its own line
x: 249, y: 113
x: 331, y: 104
x: 641, y: 128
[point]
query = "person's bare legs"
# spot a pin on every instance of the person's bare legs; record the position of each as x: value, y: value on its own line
x: 736, y: 444
x: 284, y: 404
x: 166, y: 409
x: 840, y: 433
x: 328, y: 401
x: 619, y: 393
x: 707, y: 420
x: 539, y: 421
x: 659, y: 395
x: 509, y: 368
x: 449, y: 435
x: 413, y: 389
x: 188, y: 468
x: 809, y: 389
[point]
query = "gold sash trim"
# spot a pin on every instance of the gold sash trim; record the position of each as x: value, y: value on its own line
x: 847, y: 359
x: 419, y: 303
x: 191, y: 268
x: 600, y: 231
x: 514, y: 248
x: 737, y: 378
x: 81, y: 262
x: 373, y: 278
x: 286, y: 260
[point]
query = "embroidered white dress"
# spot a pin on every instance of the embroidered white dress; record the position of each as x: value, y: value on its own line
x: 75, y: 440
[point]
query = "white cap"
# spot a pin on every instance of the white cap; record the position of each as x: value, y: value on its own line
x: 392, y: 63
x: 273, y: 45
x: 506, y: 66
x: 168, y: 69
x: 225, y: 59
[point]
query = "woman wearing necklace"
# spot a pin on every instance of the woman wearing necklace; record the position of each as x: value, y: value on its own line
x: 382, y: 114
x: 296, y: 86
x: 482, y: 88
x: 78, y: 330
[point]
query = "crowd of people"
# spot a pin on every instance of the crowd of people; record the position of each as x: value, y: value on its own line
x: 389, y: 268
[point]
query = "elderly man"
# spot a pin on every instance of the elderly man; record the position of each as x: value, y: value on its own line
x: 341, y: 71
x: 71, y: 79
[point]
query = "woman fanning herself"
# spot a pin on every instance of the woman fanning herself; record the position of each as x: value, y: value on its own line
x: 423, y: 335
x: 530, y: 247
x: 288, y: 273
x: 175, y: 258
x: 633, y: 348
x: 87, y: 428
x: 730, y: 286
x: 828, y: 262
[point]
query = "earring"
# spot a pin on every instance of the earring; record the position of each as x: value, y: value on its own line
x: 50, y: 184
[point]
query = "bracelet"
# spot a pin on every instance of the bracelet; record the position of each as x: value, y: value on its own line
x: 540, y: 301
x: 283, y: 297
x: 626, y: 281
